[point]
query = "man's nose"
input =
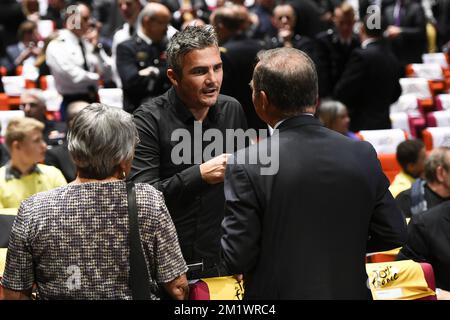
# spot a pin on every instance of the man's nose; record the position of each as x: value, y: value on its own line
x: 211, y: 77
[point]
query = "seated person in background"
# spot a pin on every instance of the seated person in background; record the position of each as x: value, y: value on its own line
x: 59, y: 156
x: 34, y: 106
x: 334, y: 116
x: 86, y: 223
x: 26, y: 50
x: 435, y: 189
x: 411, y: 156
x: 428, y: 241
x: 23, y: 176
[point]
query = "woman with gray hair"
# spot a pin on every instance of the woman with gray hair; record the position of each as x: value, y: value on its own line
x: 334, y: 116
x: 74, y: 241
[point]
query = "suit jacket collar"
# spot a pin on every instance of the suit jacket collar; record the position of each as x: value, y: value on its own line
x: 299, y: 121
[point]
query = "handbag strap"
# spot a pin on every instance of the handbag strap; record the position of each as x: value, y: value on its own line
x: 138, y: 277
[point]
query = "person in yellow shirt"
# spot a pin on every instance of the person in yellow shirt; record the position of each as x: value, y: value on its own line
x: 411, y: 156
x: 23, y: 175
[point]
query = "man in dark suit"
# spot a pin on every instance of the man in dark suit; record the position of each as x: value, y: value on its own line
x: 334, y: 48
x: 141, y: 60
x: 302, y: 231
x: 238, y: 54
x: 406, y: 30
x: 428, y: 241
x: 370, y: 82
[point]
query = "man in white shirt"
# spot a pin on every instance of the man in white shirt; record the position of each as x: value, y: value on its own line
x: 73, y: 61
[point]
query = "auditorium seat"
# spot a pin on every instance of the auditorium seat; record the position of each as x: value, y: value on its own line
x: 443, y: 101
x: 389, y: 165
x: 47, y: 82
x: 111, y: 96
x: 14, y: 85
x: 411, y: 122
x: 5, y: 116
x: 401, y: 280
x: 383, y: 256
x: 421, y: 89
x: 436, y: 137
x: 438, y: 118
x: 384, y: 141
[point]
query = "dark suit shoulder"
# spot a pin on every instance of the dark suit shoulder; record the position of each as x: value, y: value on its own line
x: 435, y: 215
x: 325, y: 35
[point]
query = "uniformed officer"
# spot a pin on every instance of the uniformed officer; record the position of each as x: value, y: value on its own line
x: 141, y: 60
x: 334, y: 47
x: 73, y: 61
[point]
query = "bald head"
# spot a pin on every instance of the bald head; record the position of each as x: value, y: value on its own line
x: 289, y: 79
x: 78, y: 19
x: 154, y: 20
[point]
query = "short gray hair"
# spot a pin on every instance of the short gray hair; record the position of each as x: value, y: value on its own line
x: 329, y: 111
x: 100, y: 138
x: 437, y: 157
x: 191, y: 38
x: 288, y: 77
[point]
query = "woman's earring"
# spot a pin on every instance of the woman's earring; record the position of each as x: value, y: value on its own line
x: 124, y: 175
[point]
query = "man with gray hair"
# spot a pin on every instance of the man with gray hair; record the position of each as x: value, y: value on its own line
x: 33, y: 104
x: 431, y: 191
x: 191, y: 181
x: 141, y: 60
x: 303, y: 232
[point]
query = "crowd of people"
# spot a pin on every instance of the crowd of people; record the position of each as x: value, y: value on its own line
x: 306, y: 74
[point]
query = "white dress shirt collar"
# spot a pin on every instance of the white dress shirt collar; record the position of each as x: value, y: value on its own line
x: 144, y: 37
x: 366, y: 42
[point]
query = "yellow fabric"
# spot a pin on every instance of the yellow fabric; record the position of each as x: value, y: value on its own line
x: 2, y: 260
x: 402, y: 182
x: 224, y: 288
x: 398, y: 280
x: 13, y: 191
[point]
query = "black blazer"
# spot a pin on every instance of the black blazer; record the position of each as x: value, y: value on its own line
x: 429, y: 241
x: 304, y: 232
x: 134, y: 55
x: 59, y: 157
x: 412, y: 42
x: 369, y: 85
x: 332, y: 56
x: 239, y: 59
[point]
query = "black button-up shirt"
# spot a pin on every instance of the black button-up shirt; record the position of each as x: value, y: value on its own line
x: 196, y: 207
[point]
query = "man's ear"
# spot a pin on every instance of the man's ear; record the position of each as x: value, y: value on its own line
x: 264, y: 100
x: 15, y: 145
x: 440, y: 174
x: 171, y: 74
